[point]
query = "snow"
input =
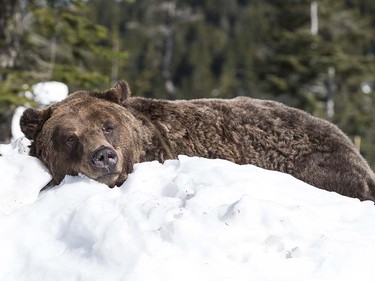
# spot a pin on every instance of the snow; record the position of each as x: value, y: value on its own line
x: 21, y: 176
x: 45, y: 93
x: 186, y: 219
x: 15, y: 126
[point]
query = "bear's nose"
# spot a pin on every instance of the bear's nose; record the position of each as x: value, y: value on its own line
x: 104, y: 158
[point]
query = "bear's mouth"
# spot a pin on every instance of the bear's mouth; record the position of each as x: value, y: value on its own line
x: 108, y: 178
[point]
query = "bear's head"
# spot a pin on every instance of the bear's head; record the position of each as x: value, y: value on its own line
x: 89, y: 132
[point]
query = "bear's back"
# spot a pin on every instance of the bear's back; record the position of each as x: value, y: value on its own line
x: 242, y: 130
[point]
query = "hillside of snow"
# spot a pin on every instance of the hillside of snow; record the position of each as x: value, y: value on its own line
x: 186, y: 219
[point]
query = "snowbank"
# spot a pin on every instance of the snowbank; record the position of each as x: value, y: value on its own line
x: 21, y: 176
x: 45, y: 93
x: 187, y: 219
x: 15, y: 126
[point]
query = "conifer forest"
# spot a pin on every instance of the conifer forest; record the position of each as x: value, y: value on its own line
x: 316, y: 55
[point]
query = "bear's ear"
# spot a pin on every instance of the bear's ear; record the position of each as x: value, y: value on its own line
x: 32, y: 121
x: 118, y: 93
x: 121, y: 88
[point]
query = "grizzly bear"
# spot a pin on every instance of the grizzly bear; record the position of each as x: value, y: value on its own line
x: 102, y: 134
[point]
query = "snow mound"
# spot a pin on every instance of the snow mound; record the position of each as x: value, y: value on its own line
x: 186, y: 219
x: 21, y: 176
x: 46, y: 93
x: 15, y: 126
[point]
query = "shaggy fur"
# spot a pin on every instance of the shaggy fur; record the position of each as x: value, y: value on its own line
x: 66, y: 137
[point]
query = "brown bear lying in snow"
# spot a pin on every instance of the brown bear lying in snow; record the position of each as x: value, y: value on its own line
x: 102, y: 134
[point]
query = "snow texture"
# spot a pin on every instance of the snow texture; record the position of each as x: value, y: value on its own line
x: 186, y: 219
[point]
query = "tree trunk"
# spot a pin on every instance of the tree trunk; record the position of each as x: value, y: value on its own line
x: 10, y: 30
x: 168, y: 51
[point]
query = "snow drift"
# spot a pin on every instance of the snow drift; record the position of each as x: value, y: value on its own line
x: 186, y: 219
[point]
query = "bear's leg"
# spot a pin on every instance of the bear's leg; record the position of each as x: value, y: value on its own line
x: 344, y: 172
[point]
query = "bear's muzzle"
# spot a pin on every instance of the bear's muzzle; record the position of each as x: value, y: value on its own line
x: 104, y: 158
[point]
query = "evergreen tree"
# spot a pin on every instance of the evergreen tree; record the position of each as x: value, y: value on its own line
x: 65, y: 45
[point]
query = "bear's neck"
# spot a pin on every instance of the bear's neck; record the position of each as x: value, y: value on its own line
x: 168, y: 129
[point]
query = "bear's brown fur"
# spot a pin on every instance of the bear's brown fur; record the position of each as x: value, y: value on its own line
x: 102, y: 134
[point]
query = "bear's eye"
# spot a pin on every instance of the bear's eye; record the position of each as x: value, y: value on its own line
x: 70, y: 140
x: 108, y: 128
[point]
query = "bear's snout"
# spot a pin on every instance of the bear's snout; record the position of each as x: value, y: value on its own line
x: 104, y: 158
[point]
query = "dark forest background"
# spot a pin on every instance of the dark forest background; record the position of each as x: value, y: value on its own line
x: 315, y: 55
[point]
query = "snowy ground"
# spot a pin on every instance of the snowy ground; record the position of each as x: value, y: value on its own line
x: 188, y: 219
